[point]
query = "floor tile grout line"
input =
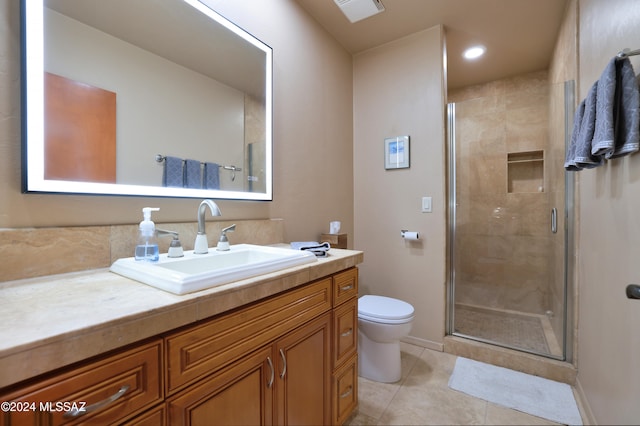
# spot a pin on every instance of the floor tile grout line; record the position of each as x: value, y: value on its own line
x: 401, y: 383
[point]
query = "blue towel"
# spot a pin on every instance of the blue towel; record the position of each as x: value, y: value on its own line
x: 211, y: 177
x: 192, y: 174
x: 579, y: 152
x: 628, y: 116
x: 172, y: 174
x: 617, y: 120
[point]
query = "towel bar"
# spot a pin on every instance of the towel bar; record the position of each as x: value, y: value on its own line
x: 626, y: 52
x: 160, y: 158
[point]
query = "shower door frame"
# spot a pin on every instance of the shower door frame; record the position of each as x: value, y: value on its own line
x: 568, y: 231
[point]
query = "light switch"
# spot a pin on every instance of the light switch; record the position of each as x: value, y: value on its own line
x: 426, y: 204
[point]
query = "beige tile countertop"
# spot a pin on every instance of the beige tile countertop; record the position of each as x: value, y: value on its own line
x: 50, y: 322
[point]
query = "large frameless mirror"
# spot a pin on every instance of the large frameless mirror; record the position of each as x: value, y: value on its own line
x: 144, y: 97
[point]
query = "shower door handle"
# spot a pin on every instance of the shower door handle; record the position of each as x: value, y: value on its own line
x: 554, y: 220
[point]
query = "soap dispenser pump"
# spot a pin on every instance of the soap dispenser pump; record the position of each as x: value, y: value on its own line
x: 147, y: 248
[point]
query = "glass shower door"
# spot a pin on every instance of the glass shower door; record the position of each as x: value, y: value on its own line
x: 507, y: 216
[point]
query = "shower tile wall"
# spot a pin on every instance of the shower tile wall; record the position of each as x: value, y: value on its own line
x: 502, y: 237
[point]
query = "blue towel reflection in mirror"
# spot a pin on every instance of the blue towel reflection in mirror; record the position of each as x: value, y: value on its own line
x: 211, y: 176
x: 173, y: 174
x: 192, y: 174
x: 181, y: 173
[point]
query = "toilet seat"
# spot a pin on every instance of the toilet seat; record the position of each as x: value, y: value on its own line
x: 384, y: 310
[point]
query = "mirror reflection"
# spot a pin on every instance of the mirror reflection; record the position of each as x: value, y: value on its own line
x: 145, y: 97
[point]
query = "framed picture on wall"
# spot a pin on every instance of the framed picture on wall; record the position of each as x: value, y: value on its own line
x: 396, y: 152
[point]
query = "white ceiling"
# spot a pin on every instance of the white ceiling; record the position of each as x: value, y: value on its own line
x: 519, y: 35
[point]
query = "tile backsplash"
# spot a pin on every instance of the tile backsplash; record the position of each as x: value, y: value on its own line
x: 35, y: 252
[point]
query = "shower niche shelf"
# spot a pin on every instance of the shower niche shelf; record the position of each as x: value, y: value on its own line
x: 525, y: 171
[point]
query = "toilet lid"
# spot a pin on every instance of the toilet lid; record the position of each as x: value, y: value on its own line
x: 383, y: 308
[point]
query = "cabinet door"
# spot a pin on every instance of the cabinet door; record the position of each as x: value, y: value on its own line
x: 345, y: 331
x: 241, y: 394
x: 303, y: 386
x: 345, y: 390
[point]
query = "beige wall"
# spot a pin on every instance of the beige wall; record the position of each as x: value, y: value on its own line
x: 398, y: 90
x: 609, y: 230
x: 312, y: 160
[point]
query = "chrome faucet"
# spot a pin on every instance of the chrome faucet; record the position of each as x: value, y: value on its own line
x: 201, y: 245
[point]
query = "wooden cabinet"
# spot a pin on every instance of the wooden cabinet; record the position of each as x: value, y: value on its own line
x: 345, y: 345
x: 287, y: 381
x: 196, y: 352
x: 106, y: 391
x: 345, y: 394
x: 303, y: 375
x: 241, y: 394
x: 289, y: 359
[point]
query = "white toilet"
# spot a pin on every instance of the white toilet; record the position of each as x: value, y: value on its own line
x: 382, y: 321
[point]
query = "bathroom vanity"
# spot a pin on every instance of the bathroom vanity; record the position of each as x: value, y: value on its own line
x: 280, y: 348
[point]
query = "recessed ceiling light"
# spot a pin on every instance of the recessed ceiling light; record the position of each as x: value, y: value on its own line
x: 474, y: 52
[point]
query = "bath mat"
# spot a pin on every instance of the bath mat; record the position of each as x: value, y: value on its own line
x: 523, y: 392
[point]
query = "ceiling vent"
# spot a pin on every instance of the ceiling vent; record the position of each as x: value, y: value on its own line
x: 357, y: 10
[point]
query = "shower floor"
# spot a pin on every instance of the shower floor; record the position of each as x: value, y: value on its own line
x: 529, y: 332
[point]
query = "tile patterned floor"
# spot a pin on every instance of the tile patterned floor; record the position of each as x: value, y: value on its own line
x: 512, y: 329
x: 423, y: 397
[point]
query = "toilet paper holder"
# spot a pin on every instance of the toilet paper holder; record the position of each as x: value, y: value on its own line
x: 409, y: 235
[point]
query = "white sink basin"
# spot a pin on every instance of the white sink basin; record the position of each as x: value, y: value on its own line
x: 195, y: 272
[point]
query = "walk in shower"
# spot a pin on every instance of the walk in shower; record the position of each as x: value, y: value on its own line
x: 509, y: 200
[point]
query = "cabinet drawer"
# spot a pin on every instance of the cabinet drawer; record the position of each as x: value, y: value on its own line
x: 199, y: 351
x: 105, y: 392
x: 345, y: 390
x: 345, y: 286
x: 345, y: 331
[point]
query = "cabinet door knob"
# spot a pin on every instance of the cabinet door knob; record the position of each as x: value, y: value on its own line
x: 347, y: 333
x: 270, y: 382
x: 284, y: 364
x: 633, y: 291
x: 347, y: 392
x: 74, y: 413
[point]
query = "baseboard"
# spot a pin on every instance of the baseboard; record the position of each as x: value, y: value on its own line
x: 436, y: 346
x: 583, y: 404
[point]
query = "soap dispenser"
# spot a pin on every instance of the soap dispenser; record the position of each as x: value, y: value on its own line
x: 147, y: 248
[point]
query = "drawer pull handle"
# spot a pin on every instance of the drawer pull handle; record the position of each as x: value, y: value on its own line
x: 347, y: 287
x: 347, y: 333
x: 270, y: 382
x: 347, y: 392
x: 73, y: 413
x: 284, y: 364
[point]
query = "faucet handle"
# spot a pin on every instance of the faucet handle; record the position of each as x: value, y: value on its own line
x: 175, y: 248
x: 229, y: 229
x: 223, y: 242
